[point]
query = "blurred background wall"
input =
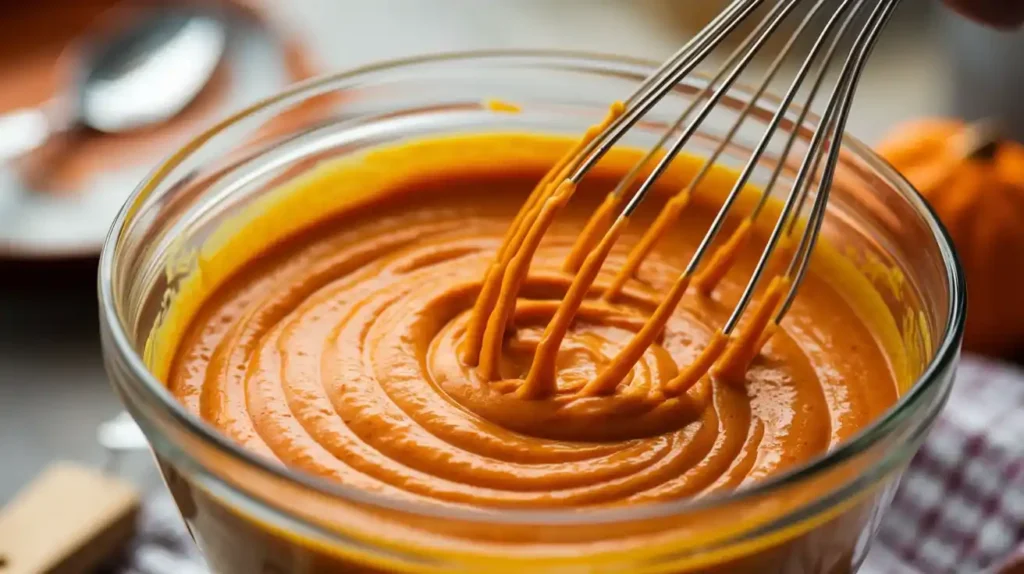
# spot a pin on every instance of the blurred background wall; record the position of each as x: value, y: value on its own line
x: 908, y: 76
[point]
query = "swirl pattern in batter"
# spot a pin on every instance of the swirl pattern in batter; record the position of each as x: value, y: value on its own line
x: 336, y: 350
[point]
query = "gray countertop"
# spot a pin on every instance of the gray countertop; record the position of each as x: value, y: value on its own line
x: 53, y: 391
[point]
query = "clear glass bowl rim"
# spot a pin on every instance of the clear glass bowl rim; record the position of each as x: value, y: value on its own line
x: 156, y: 393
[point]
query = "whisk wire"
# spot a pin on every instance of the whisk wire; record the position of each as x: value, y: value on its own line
x: 504, y: 278
x: 540, y: 379
x: 601, y: 219
x: 810, y: 236
x: 828, y: 133
x: 721, y: 259
x: 728, y: 353
x: 631, y: 353
x: 800, y: 180
x: 666, y: 84
x: 477, y: 340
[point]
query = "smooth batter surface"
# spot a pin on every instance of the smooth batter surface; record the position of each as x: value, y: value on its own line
x: 338, y: 349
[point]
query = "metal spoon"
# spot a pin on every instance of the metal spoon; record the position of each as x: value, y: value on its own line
x: 143, y: 75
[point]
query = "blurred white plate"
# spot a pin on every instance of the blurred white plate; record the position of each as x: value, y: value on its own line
x: 57, y: 225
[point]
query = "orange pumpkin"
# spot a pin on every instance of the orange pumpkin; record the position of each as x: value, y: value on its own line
x: 977, y: 189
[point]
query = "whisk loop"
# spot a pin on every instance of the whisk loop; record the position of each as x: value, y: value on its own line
x: 787, y: 253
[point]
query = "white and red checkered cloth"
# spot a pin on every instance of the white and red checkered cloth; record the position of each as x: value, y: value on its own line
x: 959, y: 508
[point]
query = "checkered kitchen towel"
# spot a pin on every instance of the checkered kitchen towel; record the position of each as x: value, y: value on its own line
x: 959, y: 508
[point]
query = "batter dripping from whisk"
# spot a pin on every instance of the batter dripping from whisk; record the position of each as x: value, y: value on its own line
x: 731, y: 351
x: 493, y: 309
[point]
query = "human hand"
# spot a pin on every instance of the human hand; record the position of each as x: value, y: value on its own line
x: 995, y: 13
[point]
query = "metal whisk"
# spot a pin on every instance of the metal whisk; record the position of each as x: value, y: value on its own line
x: 731, y: 348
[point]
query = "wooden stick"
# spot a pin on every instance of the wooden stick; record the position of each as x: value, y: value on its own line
x: 69, y: 520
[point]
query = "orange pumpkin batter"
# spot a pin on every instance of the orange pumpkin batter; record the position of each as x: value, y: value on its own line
x: 339, y: 349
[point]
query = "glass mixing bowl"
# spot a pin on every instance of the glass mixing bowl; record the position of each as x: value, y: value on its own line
x: 248, y: 515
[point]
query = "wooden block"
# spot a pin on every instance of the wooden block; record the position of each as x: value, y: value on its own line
x: 66, y: 521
